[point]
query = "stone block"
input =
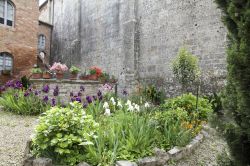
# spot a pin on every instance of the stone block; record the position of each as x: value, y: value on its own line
x: 176, y: 153
x: 125, y: 163
x: 27, y: 148
x: 148, y: 161
x: 28, y: 162
x: 205, y: 134
x: 161, y: 155
x: 83, y: 164
x: 42, y: 162
x: 199, y: 137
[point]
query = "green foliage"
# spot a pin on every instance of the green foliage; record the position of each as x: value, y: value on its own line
x: 187, y: 102
x: 92, y: 71
x: 153, y: 95
x: 236, y: 17
x: 216, y: 102
x: 124, y: 136
x: 36, y: 71
x: 25, y: 82
x: 15, y: 101
x: 74, y: 70
x: 64, y: 134
x: 223, y: 159
x: 185, y: 68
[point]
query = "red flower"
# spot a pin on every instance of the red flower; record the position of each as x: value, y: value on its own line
x: 98, y: 70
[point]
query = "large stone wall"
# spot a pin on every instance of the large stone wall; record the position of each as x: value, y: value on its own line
x: 136, y: 40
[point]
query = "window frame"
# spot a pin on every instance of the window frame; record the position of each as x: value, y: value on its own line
x: 4, y: 55
x: 5, y: 13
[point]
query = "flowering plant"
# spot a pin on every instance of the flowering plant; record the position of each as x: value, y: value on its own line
x: 95, y: 70
x: 59, y: 68
x: 74, y: 70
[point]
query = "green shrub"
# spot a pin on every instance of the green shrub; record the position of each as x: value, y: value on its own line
x: 223, y: 159
x: 187, y: 102
x: 153, y: 95
x: 36, y: 71
x: 22, y: 102
x: 236, y: 17
x: 64, y: 133
x: 74, y: 70
x: 185, y: 68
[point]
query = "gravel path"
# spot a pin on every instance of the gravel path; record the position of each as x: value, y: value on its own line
x: 205, y: 154
x: 14, y: 133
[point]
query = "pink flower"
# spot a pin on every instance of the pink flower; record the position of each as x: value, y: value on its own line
x: 58, y: 67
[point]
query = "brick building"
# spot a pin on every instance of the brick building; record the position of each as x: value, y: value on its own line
x: 18, y: 37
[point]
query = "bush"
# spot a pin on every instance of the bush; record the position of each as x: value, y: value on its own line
x: 22, y: 102
x: 64, y: 134
x: 185, y: 68
x: 187, y: 102
x: 153, y: 95
x: 236, y: 17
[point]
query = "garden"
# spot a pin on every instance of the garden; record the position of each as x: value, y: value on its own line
x: 103, y: 128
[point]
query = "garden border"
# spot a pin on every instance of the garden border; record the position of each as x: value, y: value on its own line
x: 160, y: 158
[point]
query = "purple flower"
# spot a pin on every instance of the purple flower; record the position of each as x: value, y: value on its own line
x: 82, y: 88
x: 79, y: 94
x: 26, y: 94
x: 125, y: 92
x: 56, y: 91
x: 100, y: 98
x: 73, y: 99
x: 95, y: 98
x: 46, y: 89
x: 10, y: 84
x: 85, y: 105
x: 99, y: 93
x: 78, y: 99
x: 18, y: 85
x: 53, y: 102
x: 36, y: 93
x: 89, y: 99
x: 45, y: 99
x: 71, y: 94
x: 2, y: 88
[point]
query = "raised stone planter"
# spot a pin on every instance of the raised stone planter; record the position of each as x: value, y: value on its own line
x: 67, y: 86
x: 160, y: 159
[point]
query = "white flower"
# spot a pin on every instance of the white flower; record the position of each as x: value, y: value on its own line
x: 119, y: 104
x: 137, y: 107
x: 130, y: 108
x: 107, y: 112
x: 113, y: 101
x: 106, y: 105
x: 128, y: 103
x: 147, y: 105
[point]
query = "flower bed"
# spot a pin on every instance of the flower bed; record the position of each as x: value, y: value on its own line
x: 120, y: 130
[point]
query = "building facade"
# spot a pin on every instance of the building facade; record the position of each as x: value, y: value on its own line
x: 18, y: 37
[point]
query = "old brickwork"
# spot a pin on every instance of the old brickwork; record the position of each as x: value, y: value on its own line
x: 46, y: 30
x: 136, y: 40
x: 21, y: 40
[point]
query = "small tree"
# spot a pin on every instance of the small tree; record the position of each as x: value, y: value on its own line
x: 185, y: 68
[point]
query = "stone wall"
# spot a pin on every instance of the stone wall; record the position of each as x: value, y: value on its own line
x: 21, y: 40
x: 67, y: 86
x: 136, y: 40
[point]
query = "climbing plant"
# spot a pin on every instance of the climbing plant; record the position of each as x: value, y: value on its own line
x: 236, y: 17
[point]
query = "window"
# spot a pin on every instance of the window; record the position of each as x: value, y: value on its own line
x: 41, y: 42
x: 6, y: 61
x: 6, y: 13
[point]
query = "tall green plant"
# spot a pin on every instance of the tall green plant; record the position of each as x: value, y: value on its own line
x: 236, y: 17
x: 185, y: 68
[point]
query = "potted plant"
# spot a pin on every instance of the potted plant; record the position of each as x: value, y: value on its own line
x: 84, y: 76
x: 59, y: 69
x: 94, y: 73
x: 36, y: 73
x: 74, y: 72
x: 46, y: 75
x: 104, y: 78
